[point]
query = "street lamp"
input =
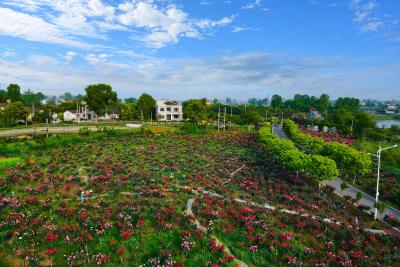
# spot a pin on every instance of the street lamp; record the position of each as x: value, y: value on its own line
x: 378, y: 155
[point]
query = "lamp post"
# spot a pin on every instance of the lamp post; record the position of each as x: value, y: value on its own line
x: 378, y: 155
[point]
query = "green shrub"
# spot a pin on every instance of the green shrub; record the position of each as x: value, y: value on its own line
x: 318, y: 167
x: 352, y: 163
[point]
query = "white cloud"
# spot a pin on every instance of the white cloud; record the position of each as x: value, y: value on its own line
x: 157, y: 23
x: 366, y: 18
x: 33, y: 28
x: 242, y: 29
x: 70, y: 56
x: 252, y: 5
x: 241, y: 75
x: 96, y: 59
x: 164, y: 26
x: 7, y: 53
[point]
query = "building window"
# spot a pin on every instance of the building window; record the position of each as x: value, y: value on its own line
x: 162, y: 109
x: 176, y: 109
x: 176, y: 116
x: 168, y: 109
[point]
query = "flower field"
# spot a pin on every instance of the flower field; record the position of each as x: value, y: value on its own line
x: 218, y: 199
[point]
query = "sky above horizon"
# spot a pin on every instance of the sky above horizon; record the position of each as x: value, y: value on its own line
x: 203, y: 48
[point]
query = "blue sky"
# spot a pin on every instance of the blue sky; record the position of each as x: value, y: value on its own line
x: 203, y: 48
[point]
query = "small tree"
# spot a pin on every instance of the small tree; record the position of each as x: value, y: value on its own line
x: 146, y: 106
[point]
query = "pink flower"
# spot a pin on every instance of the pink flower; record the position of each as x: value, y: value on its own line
x: 253, y: 248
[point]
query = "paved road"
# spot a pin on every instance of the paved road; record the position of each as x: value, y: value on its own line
x: 366, y: 199
x: 52, y: 130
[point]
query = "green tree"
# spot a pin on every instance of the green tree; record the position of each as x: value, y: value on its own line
x: 129, y: 111
x: 67, y: 96
x: 3, y: 96
x: 12, y: 113
x: 30, y: 98
x: 14, y: 92
x: 347, y: 103
x: 146, y: 106
x: 276, y: 102
x: 130, y: 100
x: 100, y: 97
x: 362, y: 121
x: 303, y: 102
x: 251, y: 117
x: 196, y: 110
x: 342, y: 119
x: 322, y: 104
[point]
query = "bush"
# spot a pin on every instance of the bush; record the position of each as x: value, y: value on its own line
x: 85, y: 131
x: 344, y: 186
x: 191, y: 128
x: 318, y: 167
x: 352, y: 162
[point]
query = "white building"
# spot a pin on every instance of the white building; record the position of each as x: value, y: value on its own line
x: 84, y: 115
x: 69, y: 115
x: 168, y: 110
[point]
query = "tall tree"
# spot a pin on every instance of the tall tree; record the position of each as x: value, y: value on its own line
x: 347, y: 103
x: 322, y: 103
x: 14, y: 92
x: 196, y: 110
x: 276, y: 102
x: 30, y: 98
x: 146, y: 106
x: 67, y: 96
x: 100, y: 97
x: 362, y: 121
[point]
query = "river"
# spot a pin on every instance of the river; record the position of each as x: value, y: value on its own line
x: 387, y: 123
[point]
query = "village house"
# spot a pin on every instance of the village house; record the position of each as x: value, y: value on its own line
x: 84, y: 114
x: 168, y: 110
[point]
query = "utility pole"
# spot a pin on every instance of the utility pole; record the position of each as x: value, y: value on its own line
x: 219, y: 111
x: 224, y: 119
x: 378, y: 155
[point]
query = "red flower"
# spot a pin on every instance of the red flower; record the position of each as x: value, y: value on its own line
x: 51, y: 237
x: 121, y: 250
x: 51, y: 251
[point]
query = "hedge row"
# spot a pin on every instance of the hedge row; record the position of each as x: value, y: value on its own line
x: 318, y: 167
x: 352, y: 163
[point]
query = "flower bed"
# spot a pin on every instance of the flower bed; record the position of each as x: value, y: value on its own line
x: 137, y: 189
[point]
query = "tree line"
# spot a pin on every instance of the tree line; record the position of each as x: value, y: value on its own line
x: 344, y: 114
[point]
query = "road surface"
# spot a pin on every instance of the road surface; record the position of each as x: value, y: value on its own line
x: 52, y: 130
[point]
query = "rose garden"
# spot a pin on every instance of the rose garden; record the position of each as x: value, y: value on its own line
x: 174, y: 199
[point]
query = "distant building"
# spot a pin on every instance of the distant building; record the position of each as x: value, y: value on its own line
x: 391, y: 108
x: 168, y: 110
x: 84, y: 114
x: 70, y: 115
x: 314, y: 114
